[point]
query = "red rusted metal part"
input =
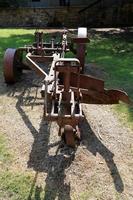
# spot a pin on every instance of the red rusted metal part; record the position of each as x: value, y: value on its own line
x: 105, y: 97
x: 87, y: 82
x: 81, y: 50
x: 93, y: 91
x: 69, y: 135
x: 8, y: 69
x: 118, y: 95
x: 41, y: 59
x: 81, y: 40
x: 12, y: 65
x: 81, y: 55
x: 34, y: 66
x: 39, y: 40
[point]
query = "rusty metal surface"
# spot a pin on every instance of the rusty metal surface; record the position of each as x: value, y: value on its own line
x: 12, y: 62
x: 41, y: 59
x: 34, y: 66
x: 8, y: 65
x: 81, y: 50
x: 118, y: 95
x: 81, y: 40
x: 69, y: 135
x: 87, y: 82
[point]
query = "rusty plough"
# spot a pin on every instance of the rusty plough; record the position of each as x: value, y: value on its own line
x: 65, y: 86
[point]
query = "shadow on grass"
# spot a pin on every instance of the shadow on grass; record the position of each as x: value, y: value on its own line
x: 40, y: 159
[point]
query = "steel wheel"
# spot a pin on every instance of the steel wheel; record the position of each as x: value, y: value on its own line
x: 12, y: 62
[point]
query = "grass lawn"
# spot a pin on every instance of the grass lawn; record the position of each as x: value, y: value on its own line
x: 13, y: 38
x: 114, y: 54
x: 13, y: 185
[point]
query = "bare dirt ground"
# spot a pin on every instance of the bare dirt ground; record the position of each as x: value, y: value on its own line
x: 101, y: 168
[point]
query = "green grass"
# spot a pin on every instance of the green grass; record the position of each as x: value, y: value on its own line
x: 115, y: 55
x: 5, y: 157
x: 13, y: 38
x: 13, y: 185
x: 108, y: 52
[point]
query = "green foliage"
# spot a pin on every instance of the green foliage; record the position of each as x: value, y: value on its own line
x: 8, y: 3
x: 11, y: 3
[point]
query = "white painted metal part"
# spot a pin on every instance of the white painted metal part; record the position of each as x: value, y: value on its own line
x: 82, y: 32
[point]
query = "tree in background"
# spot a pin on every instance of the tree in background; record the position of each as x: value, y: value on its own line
x: 10, y: 3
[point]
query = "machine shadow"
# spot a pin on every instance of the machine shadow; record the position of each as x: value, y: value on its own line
x: 39, y: 158
x: 55, y: 165
x: 94, y: 145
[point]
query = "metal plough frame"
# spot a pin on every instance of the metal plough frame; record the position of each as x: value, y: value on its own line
x: 65, y: 87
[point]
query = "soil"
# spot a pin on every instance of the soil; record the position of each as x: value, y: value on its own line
x: 100, y: 168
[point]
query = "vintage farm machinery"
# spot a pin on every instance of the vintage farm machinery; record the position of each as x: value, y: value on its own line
x: 65, y: 86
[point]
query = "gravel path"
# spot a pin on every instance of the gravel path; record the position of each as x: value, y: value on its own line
x: 101, y: 168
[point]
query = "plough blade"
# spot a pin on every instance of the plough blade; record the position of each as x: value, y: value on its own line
x: 93, y: 91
